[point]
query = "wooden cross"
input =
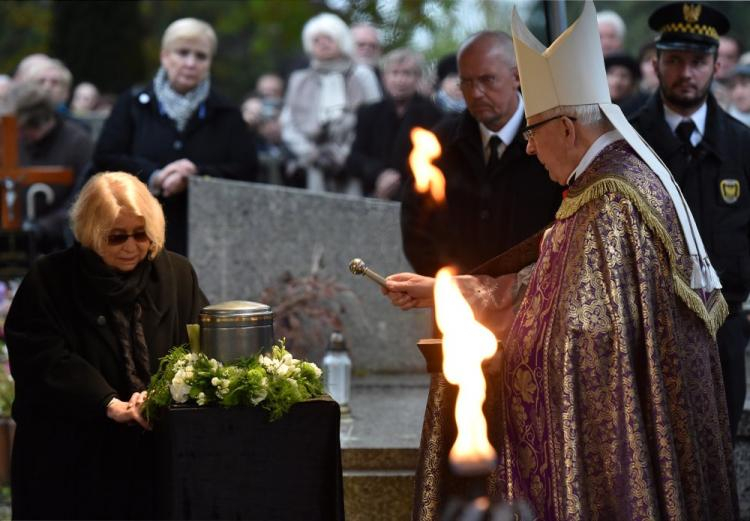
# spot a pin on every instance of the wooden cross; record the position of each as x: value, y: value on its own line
x: 14, y: 177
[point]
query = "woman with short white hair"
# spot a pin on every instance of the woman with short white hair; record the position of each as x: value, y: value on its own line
x: 319, y: 115
x: 85, y: 333
x: 178, y: 127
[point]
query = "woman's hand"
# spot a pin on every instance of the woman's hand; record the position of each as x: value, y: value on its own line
x: 387, y: 183
x: 174, y: 184
x: 409, y: 290
x: 173, y: 178
x: 128, y: 412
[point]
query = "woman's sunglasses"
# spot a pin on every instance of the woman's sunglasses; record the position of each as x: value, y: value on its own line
x: 116, y: 239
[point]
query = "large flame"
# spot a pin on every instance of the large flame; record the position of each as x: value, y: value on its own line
x: 466, y: 343
x: 427, y: 177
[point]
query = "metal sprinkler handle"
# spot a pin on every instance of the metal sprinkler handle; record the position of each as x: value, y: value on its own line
x: 358, y: 267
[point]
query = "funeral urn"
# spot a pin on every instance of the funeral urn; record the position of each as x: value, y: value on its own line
x: 235, y: 329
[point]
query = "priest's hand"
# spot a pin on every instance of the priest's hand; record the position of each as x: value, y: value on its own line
x: 409, y: 290
x: 128, y: 412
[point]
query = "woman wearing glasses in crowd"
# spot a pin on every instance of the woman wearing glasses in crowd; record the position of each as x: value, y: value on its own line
x: 85, y: 332
x: 178, y: 127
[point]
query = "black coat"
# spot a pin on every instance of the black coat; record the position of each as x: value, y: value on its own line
x: 69, y: 460
x: 485, y: 213
x: 722, y: 155
x: 383, y: 138
x: 138, y: 138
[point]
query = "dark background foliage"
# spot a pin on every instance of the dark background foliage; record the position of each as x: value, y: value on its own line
x: 115, y: 44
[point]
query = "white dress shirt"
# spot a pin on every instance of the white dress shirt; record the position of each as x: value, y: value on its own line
x: 506, y: 134
x: 698, y: 117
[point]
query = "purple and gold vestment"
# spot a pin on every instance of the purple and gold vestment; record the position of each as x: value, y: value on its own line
x: 608, y: 403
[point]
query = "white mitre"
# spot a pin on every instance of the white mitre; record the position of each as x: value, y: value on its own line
x: 571, y: 72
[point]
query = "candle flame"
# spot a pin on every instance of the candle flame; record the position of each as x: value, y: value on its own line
x: 466, y: 343
x: 427, y: 177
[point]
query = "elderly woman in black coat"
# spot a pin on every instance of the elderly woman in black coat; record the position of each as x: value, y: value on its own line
x: 85, y: 332
x: 178, y: 127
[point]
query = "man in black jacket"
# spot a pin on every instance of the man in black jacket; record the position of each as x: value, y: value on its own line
x: 496, y: 195
x: 380, y: 153
x: 708, y: 152
x: 48, y: 139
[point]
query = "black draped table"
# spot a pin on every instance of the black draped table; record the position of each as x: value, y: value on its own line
x: 216, y: 463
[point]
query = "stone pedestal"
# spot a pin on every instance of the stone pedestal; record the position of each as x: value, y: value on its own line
x: 380, y: 445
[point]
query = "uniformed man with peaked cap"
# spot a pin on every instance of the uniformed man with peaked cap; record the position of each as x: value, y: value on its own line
x: 708, y: 152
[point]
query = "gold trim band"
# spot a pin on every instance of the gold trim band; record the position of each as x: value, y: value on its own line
x: 681, y: 27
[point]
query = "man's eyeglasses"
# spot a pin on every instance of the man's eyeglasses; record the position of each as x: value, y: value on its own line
x: 116, y: 239
x: 484, y: 83
x: 528, y: 131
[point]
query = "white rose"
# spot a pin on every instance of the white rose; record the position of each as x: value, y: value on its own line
x: 179, y: 391
x: 315, y: 369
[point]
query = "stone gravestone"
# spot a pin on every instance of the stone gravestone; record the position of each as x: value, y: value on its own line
x: 245, y: 237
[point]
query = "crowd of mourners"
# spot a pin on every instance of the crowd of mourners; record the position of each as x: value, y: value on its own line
x: 340, y: 123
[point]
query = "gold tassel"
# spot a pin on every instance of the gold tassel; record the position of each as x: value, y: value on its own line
x: 717, y: 310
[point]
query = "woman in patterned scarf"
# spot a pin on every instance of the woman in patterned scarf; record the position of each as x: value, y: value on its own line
x: 178, y: 127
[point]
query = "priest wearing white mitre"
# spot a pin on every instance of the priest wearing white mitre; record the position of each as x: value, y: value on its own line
x: 607, y: 398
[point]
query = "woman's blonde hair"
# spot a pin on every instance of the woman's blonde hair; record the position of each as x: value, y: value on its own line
x: 188, y: 29
x: 101, y: 200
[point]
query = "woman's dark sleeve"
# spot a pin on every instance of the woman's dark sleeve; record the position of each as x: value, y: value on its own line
x: 198, y: 299
x: 48, y: 375
x: 241, y: 161
x: 114, y: 150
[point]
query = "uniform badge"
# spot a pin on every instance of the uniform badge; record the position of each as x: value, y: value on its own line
x: 691, y: 12
x: 730, y: 190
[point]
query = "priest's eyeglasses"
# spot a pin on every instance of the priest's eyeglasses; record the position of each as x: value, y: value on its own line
x: 528, y: 131
x: 116, y: 239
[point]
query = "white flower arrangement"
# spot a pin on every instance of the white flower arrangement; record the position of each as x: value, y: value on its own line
x: 276, y: 381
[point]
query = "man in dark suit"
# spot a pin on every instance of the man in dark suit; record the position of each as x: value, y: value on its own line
x: 496, y: 194
x: 381, y: 148
x: 708, y: 153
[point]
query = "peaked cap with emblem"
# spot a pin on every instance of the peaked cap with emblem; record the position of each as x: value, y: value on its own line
x: 688, y: 26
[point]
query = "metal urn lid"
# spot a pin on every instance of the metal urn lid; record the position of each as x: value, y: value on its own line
x: 236, y: 329
x: 236, y: 313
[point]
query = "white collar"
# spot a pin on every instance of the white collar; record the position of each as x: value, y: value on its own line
x: 594, y: 150
x: 699, y: 119
x: 508, y: 133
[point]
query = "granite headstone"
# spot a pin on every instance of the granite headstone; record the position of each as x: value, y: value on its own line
x: 248, y: 239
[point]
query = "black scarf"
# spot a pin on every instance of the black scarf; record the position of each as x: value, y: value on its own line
x: 125, y: 296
